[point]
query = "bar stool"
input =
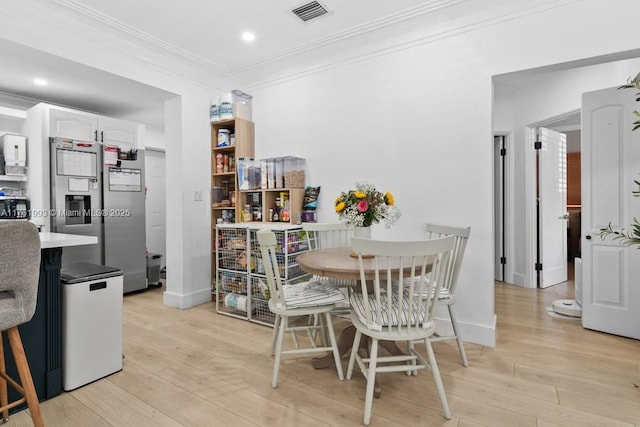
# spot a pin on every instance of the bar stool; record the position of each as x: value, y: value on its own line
x: 19, y: 275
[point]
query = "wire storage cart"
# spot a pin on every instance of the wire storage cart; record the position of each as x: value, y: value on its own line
x: 241, y: 283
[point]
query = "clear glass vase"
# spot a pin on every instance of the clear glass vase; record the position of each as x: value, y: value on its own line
x: 362, y: 232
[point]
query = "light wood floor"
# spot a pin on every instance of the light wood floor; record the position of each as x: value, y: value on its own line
x: 196, y: 368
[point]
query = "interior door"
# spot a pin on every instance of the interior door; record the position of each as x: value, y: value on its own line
x: 610, y: 164
x: 499, y: 206
x: 552, y: 207
x: 156, y: 201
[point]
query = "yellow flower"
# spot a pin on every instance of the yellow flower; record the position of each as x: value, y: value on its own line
x: 359, y: 195
x: 388, y: 197
x: 340, y: 207
x: 338, y: 200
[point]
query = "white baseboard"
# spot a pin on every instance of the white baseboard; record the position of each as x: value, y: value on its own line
x: 188, y: 300
x: 471, y: 332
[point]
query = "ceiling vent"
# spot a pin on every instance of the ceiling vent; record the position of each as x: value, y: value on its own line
x: 309, y: 11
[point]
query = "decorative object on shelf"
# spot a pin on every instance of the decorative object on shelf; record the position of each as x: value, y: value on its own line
x: 628, y: 237
x: 365, y: 206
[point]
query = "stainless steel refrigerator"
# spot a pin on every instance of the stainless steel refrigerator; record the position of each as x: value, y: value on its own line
x: 98, y: 190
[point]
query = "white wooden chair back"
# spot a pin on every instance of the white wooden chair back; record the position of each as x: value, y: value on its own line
x: 268, y: 249
x: 461, y: 234
x: 331, y: 235
x: 328, y: 235
x: 407, y: 274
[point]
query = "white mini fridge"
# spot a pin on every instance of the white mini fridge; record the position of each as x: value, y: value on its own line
x: 91, y: 323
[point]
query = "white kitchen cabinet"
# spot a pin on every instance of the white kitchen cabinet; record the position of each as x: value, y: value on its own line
x: 118, y: 132
x: 90, y: 127
x: 72, y: 125
x: 44, y: 121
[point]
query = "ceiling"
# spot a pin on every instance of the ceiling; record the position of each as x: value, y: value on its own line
x: 201, y: 32
x: 209, y: 32
x: 206, y: 35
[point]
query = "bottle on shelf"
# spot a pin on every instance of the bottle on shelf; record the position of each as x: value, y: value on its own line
x: 276, y: 211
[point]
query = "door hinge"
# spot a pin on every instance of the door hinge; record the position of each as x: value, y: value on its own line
x: 538, y: 266
x: 537, y: 145
x: 503, y: 152
x: 503, y: 260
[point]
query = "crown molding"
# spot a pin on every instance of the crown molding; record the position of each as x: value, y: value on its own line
x: 123, y: 28
x: 407, y: 43
x: 16, y: 101
x: 376, y: 24
x: 135, y: 33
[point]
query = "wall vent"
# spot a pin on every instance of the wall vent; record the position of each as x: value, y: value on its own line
x: 309, y: 11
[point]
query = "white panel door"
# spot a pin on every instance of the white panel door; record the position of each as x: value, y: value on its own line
x: 156, y: 202
x: 610, y: 164
x: 553, y: 217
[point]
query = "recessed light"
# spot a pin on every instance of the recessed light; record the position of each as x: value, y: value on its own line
x: 248, y: 36
x: 40, y: 82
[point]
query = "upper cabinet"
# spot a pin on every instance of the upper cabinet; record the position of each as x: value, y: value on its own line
x: 44, y: 121
x: 118, y: 132
x: 72, y: 125
x: 88, y: 127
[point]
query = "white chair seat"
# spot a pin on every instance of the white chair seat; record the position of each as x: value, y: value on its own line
x: 399, y: 314
x: 311, y: 294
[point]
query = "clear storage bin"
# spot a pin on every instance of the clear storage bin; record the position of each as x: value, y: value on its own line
x: 294, y: 172
x: 271, y: 173
x: 241, y: 104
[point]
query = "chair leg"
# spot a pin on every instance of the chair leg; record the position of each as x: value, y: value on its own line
x: 274, y: 336
x: 354, y: 352
x: 279, y: 341
x: 334, y: 345
x: 456, y: 331
x: 25, y: 376
x: 371, y: 381
x: 4, y: 396
x: 318, y: 329
x: 438, y: 380
x: 411, y: 350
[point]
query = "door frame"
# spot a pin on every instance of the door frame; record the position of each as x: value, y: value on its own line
x: 530, y: 275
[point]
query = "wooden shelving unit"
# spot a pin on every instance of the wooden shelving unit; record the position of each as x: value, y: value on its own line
x: 227, y: 181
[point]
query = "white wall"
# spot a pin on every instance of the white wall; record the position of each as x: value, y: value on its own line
x: 417, y: 121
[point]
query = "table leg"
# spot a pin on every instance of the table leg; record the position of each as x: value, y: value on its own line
x: 345, y: 341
